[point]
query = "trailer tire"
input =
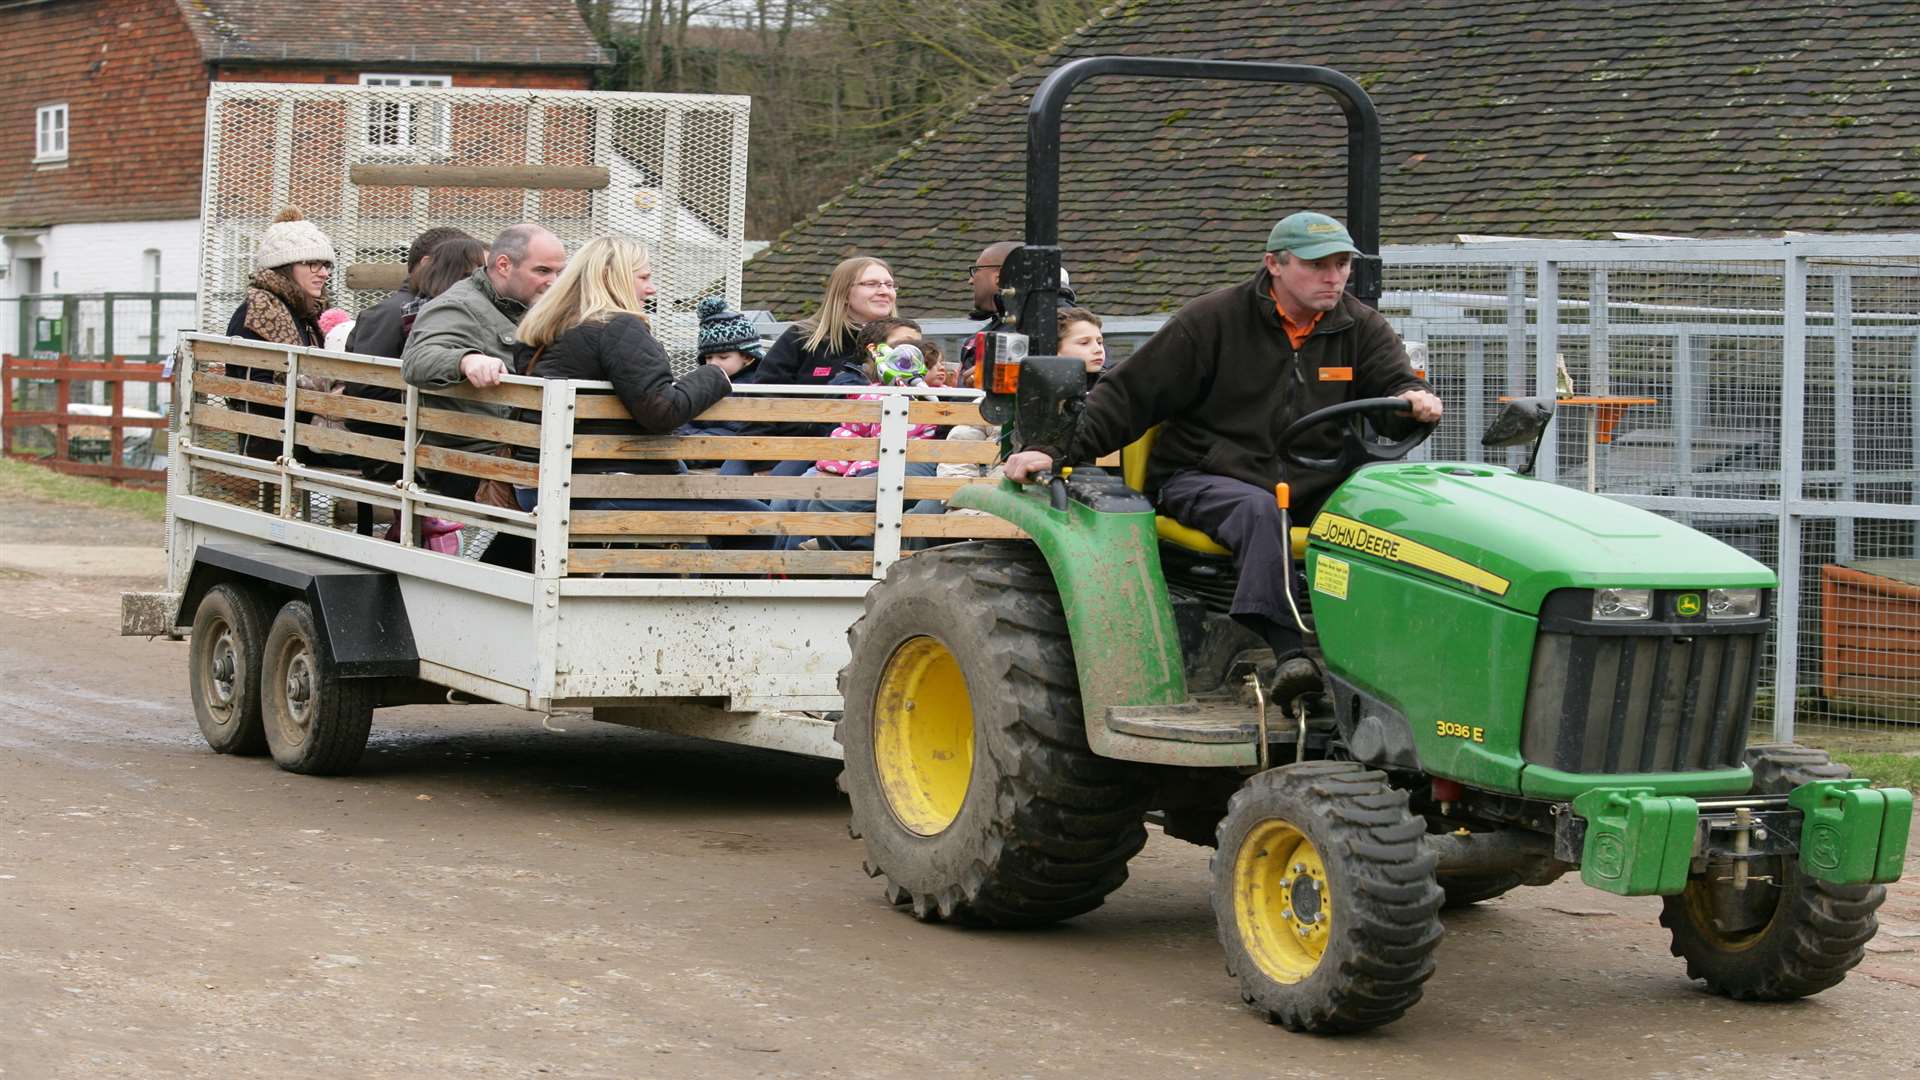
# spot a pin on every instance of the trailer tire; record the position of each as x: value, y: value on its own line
x: 316, y: 722
x: 966, y: 759
x: 223, y: 668
x: 1813, y: 932
x: 1324, y: 896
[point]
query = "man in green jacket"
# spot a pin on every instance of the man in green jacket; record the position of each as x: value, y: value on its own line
x: 1225, y: 376
x: 466, y: 334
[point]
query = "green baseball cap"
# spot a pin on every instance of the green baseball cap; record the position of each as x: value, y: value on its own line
x: 1310, y: 236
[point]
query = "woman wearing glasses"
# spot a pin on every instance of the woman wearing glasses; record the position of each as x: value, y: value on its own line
x: 823, y: 348
x: 284, y: 299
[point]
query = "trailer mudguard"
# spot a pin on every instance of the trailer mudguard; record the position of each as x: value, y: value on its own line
x: 1106, y: 564
x: 359, y: 609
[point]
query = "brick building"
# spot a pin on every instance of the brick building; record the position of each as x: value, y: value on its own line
x: 100, y: 160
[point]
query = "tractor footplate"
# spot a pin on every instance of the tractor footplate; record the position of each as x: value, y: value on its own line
x: 1211, y: 721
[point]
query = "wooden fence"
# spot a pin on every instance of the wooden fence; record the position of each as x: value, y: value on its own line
x: 83, y: 444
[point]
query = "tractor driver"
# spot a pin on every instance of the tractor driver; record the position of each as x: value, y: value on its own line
x: 1225, y: 375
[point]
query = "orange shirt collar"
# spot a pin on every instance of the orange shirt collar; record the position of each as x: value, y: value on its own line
x: 1297, y: 333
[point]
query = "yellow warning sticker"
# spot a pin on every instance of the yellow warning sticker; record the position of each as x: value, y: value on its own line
x: 1348, y: 533
x: 1330, y: 577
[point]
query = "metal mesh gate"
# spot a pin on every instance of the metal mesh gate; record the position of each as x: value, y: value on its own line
x: 1761, y: 392
x: 374, y: 167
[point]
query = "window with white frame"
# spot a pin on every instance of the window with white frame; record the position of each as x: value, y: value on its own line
x: 50, y: 133
x: 399, y: 125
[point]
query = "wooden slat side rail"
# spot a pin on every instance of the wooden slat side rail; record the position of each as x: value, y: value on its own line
x: 350, y: 371
x: 529, y: 177
x: 438, y: 458
x: 741, y: 447
x: 254, y: 390
x: 485, y: 466
x: 939, y: 487
x: 952, y: 451
x: 268, y: 357
x: 520, y: 397
x: 700, y: 486
x: 475, y: 426
x: 946, y: 413
x: 584, y: 523
x: 599, y: 406
x: 959, y: 526
x: 670, y: 561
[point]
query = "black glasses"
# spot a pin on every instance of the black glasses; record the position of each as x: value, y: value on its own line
x: 316, y: 264
x: 977, y: 267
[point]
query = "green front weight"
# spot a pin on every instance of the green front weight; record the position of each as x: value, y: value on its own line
x: 1851, y: 833
x: 1638, y: 843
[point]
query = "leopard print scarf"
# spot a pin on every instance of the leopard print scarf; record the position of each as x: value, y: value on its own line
x: 279, y: 312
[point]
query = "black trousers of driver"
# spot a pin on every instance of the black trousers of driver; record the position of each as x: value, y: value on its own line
x: 1245, y: 520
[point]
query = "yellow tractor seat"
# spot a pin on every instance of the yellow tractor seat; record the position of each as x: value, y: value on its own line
x: 1133, y: 470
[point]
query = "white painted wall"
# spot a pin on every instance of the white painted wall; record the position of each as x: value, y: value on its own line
x: 102, y: 257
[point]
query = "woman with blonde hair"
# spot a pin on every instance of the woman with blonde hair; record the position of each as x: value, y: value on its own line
x: 591, y: 325
x: 822, y: 348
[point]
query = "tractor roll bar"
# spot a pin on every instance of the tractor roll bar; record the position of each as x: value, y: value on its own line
x: 1363, y: 141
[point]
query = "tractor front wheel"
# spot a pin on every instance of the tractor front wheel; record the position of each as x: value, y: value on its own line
x: 1324, y: 892
x: 966, y: 757
x: 1786, y: 935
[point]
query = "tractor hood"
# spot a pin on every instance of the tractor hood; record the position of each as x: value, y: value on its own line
x: 1514, y: 539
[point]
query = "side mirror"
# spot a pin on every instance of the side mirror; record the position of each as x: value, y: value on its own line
x: 1523, y: 422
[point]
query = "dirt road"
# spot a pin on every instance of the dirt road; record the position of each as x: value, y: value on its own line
x: 490, y: 899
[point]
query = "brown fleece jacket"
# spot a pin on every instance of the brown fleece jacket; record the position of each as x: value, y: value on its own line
x: 1224, y: 379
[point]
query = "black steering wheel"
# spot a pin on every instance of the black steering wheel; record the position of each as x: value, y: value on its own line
x: 1357, y: 446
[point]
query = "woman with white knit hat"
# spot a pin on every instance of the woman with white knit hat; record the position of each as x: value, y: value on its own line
x: 284, y: 299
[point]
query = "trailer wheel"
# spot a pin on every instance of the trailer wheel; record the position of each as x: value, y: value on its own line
x: 966, y: 758
x: 1324, y: 894
x: 316, y: 722
x: 1786, y: 938
x: 223, y: 668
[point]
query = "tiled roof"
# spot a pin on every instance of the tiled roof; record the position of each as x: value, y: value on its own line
x: 517, y: 33
x: 1549, y: 119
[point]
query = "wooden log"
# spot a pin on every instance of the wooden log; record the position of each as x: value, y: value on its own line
x: 524, y: 177
x: 701, y: 486
x: 366, y: 277
x: 715, y: 523
x: 754, y: 563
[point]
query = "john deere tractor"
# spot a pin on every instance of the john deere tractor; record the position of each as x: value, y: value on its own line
x: 1515, y: 680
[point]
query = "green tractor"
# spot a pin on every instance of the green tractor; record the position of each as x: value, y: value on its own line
x: 1516, y: 680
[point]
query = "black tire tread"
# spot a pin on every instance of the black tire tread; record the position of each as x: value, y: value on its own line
x: 1821, y: 931
x: 1065, y: 821
x: 343, y: 714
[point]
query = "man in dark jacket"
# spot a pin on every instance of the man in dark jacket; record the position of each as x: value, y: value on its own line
x: 984, y: 278
x: 1226, y: 375
x: 377, y: 331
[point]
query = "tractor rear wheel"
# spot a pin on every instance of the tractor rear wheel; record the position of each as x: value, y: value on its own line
x: 1324, y: 893
x: 966, y: 756
x: 1787, y: 935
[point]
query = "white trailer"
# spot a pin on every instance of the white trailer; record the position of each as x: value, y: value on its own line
x: 307, y: 591
x: 305, y: 615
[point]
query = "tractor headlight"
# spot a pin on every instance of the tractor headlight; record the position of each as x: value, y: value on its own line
x: 1733, y: 603
x: 1622, y: 605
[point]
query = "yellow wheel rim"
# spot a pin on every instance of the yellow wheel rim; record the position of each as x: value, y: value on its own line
x: 923, y: 736
x: 1698, y: 899
x: 1281, y: 902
